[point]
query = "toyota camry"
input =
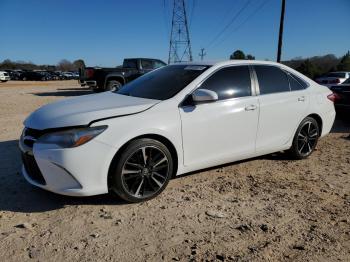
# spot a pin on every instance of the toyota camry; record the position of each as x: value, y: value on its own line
x: 174, y: 120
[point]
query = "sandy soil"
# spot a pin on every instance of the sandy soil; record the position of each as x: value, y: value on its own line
x: 268, y: 208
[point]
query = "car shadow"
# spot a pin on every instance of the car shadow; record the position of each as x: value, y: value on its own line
x: 66, y: 92
x: 17, y: 195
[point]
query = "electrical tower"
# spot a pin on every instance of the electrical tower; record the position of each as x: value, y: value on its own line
x: 202, y: 54
x: 180, y: 45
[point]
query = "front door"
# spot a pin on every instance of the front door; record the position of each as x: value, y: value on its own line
x: 224, y: 130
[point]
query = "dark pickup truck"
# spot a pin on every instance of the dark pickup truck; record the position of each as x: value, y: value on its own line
x: 109, y: 79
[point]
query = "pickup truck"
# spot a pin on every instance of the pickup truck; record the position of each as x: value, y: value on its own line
x: 110, y: 79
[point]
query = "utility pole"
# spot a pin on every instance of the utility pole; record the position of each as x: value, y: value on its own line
x: 202, y: 54
x: 280, y: 36
x: 180, y: 45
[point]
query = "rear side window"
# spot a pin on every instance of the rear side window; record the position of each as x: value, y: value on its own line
x: 147, y: 64
x: 229, y: 82
x: 271, y: 79
x: 296, y: 83
x: 157, y: 64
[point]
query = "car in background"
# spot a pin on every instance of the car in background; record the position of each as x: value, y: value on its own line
x: 67, y: 75
x: 45, y: 75
x: 32, y: 76
x: 174, y: 120
x: 342, y: 99
x: 4, y: 76
x: 110, y: 79
x: 333, y: 78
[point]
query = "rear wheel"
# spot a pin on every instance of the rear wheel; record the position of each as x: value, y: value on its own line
x: 305, y: 139
x: 143, y: 170
x: 113, y: 85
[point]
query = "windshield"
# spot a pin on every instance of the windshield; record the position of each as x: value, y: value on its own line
x: 163, y: 83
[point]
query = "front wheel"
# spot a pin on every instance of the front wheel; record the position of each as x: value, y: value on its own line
x: 113, y: 85
x: 142, y: 171
x: 305, y: 139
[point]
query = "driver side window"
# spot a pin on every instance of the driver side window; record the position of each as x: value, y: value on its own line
x: 229, y: 82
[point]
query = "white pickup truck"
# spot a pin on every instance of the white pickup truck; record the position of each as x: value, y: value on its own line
x: 4, y: 76
x: 333, y: 78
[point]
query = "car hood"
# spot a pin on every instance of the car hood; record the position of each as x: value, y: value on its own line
x: 85, y: 109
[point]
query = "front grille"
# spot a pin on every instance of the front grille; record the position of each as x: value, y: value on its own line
x: 32, y: 168
x: 33, y: 132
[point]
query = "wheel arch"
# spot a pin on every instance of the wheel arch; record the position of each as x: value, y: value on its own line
x: 114, y: 77
x: 157, y: 137
x: 318, y: 120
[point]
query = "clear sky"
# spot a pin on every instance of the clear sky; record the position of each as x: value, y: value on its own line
x: 104, y: 32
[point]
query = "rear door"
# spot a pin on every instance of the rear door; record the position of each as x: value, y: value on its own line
x: 281, y: 107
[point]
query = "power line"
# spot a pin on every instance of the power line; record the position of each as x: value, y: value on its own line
x: 230, y: 23
x: 192, y: 12
x: 243, y: 22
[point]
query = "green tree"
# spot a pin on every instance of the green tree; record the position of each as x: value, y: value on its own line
x: 250, y: 57
x: 309, y: 69
x: 344, y: 64
x: 238, y: 54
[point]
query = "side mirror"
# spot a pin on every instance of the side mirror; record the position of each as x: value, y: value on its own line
x: 204, y: 95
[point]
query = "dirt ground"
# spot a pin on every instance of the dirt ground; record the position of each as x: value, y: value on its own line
x: 269, y: 208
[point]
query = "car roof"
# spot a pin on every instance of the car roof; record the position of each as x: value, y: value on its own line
x: 230, y: 62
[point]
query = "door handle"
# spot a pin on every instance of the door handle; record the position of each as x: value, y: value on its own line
x: 301, y: 99
x: 250, y: 108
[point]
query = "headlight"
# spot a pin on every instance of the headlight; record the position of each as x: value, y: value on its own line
x: 72, y: 137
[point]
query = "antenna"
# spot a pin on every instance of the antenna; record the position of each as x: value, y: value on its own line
x: 180, y: 45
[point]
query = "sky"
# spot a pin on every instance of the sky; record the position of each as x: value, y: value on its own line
x: 104, y: 32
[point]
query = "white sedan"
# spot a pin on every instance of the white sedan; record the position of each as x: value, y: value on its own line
x: 174, y: 120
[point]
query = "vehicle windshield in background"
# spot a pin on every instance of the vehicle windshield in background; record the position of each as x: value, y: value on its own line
x: 339, y: 75
x: 163, y: 83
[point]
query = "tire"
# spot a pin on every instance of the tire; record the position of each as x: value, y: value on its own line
x: 305, y: 139
x: 4, y: 81
x: 142, y: 171
x: 113, y: 85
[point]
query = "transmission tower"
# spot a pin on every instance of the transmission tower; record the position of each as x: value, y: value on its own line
x: 180, y: 45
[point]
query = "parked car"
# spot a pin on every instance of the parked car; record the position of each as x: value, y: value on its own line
x: 31, y: 75
x: 12, y: 74
x: 333, y: 78
x: 45, y: 75
x: 174, y: 120
x: 68, y: 75
x: 342, y: 101
x: 4, y: 76
x: 110, y: 79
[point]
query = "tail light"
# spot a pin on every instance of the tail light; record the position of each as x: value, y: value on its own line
x: 333, y: 97
x: 89, y: 73
x: 336, y: 81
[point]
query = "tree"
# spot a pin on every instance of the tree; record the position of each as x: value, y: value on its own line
x: 78, y: 64
x: 65, y: 65
x: 309, y: 69
x: 238, y: 54
x: 250, y: 57
x: 344, y: 64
